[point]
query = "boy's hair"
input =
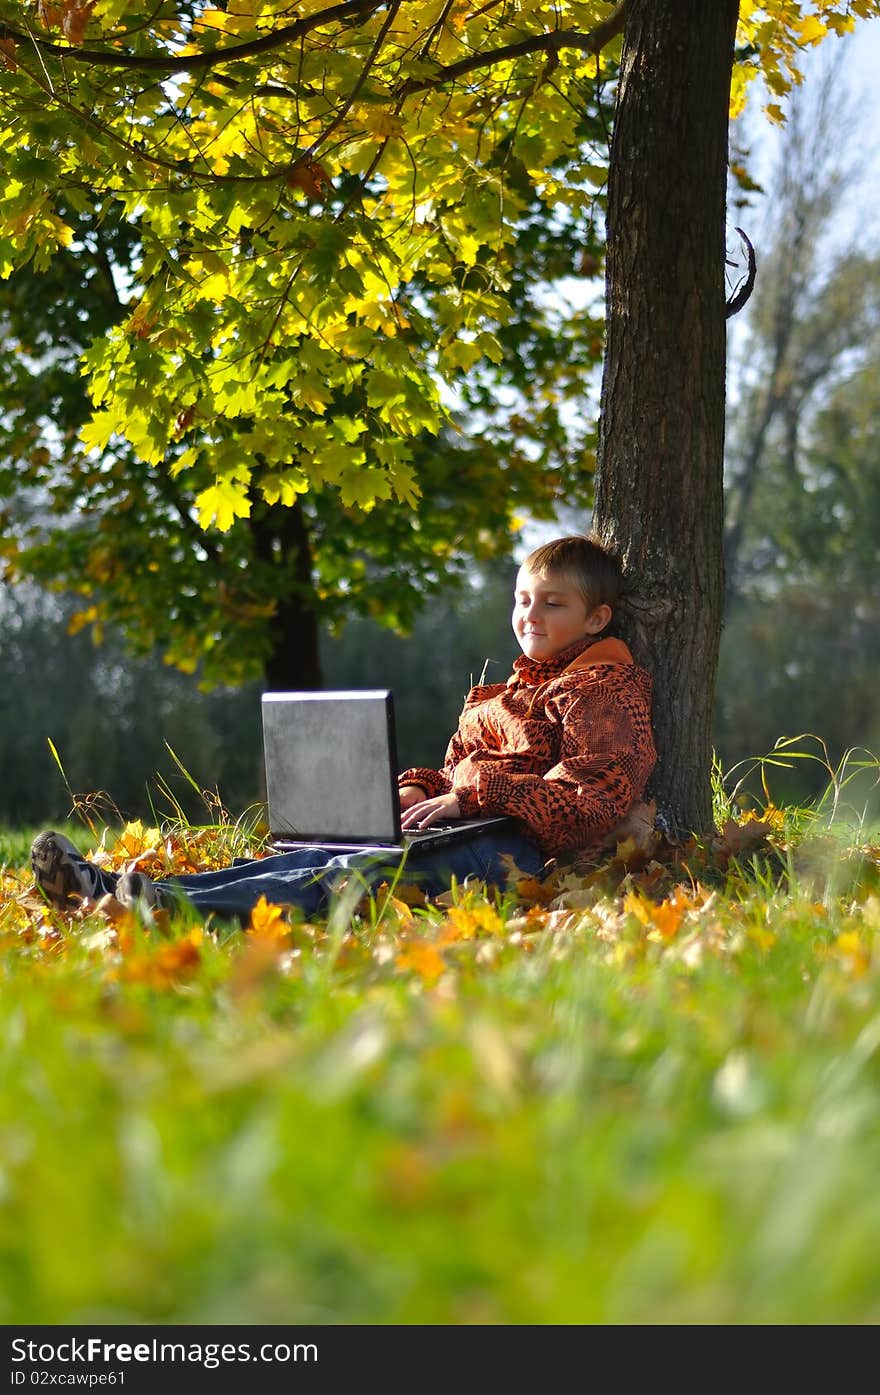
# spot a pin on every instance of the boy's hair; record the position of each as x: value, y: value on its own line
x: 595, y: 571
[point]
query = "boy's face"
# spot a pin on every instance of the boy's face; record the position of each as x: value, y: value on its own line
x: 549, y: 614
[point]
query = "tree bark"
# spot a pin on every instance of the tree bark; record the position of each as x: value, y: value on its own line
x: 661, y: 432
x: 281, y: 535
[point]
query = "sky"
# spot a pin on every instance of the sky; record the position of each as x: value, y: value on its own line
x: 859, y: 53
x: 860, y: 65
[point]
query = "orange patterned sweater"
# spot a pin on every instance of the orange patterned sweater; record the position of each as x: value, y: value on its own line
x: 565, y: 746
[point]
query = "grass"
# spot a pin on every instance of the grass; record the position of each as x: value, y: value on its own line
x: 649, y: 1092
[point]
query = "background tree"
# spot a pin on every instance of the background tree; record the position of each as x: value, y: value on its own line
x: 109, y: 718
x: 799, y: 652
x: 812, y: 322
x: 123, y: 535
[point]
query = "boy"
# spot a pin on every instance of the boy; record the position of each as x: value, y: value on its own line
x: 564, y: 746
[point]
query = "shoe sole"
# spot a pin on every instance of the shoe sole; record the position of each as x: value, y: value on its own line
x: 54, y: 873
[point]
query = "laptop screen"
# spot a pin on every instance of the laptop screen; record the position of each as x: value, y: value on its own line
x: 331, y: 766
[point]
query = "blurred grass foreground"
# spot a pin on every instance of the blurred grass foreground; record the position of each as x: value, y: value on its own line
x: 644, y: 1091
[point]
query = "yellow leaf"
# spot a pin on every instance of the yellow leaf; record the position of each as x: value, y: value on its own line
x: 469, y: 922
x: 283, y: 486
x: 764, y: 939
x: 267, y: 921
x: 461, y: 354
x: 638, y: 906
x: 738, y: 85
x: 422, y: 958
x: 136, y: 839
x: 222, y: 504
x: 468, y: 248
x: 855, y: 953
x: 812, y: 29
x: 81, y: 618
x: 666, y: 919
x: 384, y: 124
x: 167, y: 965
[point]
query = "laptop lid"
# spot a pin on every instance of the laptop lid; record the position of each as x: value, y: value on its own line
x: 331, y: 766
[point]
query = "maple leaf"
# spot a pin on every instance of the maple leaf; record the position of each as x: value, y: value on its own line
x: 666, y: 919
x: 222, y: 504
x: 136, y: 840
x: 48, y: 14
x: 164, y: 968
x: 404, y: 915
x: 410, y: 894
x: 855, y: 953
x: 470, y: 922
x: 639, y: 906
x: 536, y: 920
x: 311, y: 178
x: 535, y: 891
x: 267, y: 921
x: 423, y: 959
x: 738, y: 838
x: 74, y: 19
x: 634, y: 840
x: 258, y: 962
x: 115, y: 912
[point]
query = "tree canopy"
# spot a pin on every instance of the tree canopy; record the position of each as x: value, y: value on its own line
x: 322, y: 199
x: 123, y: 534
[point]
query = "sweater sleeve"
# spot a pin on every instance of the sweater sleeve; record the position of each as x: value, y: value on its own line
x: 599, y: 773
x: 432, y: 781
x: 435, y: 781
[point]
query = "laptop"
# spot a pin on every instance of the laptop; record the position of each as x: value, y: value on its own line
x: 331, y: 775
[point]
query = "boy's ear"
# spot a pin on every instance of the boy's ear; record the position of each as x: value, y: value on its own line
x: 599, y: 618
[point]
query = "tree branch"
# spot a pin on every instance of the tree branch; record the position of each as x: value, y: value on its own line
x: 340, y: 115
x: 738, y: 300
x: 592, y: 42
x: 550, y: 43
x: 191, y: 63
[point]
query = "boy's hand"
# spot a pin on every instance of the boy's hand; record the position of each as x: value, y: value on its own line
x: 410, y: 795
x: 428, y: 811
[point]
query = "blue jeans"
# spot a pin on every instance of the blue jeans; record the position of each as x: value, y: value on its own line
x: 305, y: 877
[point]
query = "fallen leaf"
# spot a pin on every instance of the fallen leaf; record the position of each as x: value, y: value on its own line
x: 735, y: 839
x: 423, y: 959
x: 470, y: 923
x: 268, y: 922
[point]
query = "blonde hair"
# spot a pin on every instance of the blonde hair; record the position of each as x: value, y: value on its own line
x: 596, y: 572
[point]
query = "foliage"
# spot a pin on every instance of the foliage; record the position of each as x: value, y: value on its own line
x: 639, y: 1093
x: 324, y: 206
x: 324, y: 232
x: 122, y: 534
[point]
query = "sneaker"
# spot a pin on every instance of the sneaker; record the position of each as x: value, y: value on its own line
x: 135, y: 889
x: 62, y: 873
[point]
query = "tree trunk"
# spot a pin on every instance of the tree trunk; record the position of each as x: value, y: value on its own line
x: 281, y: 536
x: 661, y: 435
